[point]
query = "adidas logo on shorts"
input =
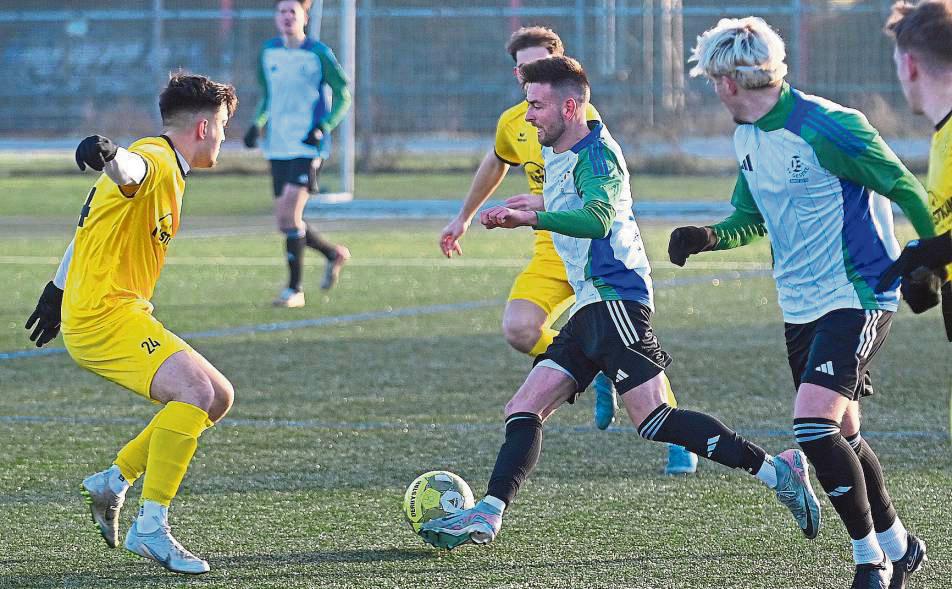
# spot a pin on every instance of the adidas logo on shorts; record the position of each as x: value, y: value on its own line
x: 826, y: 368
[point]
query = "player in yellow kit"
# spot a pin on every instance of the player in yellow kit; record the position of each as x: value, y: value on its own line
x: 541, y: 292
x: 102, y: 289
x: 923, y: 59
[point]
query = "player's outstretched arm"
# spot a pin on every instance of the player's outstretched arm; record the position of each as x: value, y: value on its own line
x: 490, y: 174
x: 526, y: 202
x: 745, y: 225
x: 122, y: 166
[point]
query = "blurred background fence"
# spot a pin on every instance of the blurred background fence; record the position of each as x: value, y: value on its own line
x: 429, y: 75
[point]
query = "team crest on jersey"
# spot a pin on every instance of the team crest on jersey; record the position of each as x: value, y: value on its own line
x: 535, y: 172
x: 163, y: 230
x: 797, y: 170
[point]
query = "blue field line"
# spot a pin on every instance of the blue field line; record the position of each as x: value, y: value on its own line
x: 427, y: 427
x: 374, y: 315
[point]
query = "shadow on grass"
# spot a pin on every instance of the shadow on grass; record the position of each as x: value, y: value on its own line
x: 330, y: 556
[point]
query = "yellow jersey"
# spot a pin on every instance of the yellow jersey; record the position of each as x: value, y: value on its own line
x: 121, y: 240
x: 939, y: 180
x: 517, y: 143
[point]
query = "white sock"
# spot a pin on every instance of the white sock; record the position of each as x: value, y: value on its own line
x: 768, y: 472
x: 495, y: 502
x: 867, y: 550
x: 117, y: 483
x: 152, y: 516
x: 894, y: 541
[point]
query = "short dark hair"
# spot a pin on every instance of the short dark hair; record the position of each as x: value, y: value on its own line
x: 192, y: 93
x: 527, y: 37
x: 561, y: 71
x: 924, y: 28
x: 305, y: 4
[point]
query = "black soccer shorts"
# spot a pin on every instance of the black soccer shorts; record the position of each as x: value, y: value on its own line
x: 301, y: 171
x: 835, y: 351
x: 614, y: 337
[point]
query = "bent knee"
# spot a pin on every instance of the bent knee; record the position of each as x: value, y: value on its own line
x: 521, y: 335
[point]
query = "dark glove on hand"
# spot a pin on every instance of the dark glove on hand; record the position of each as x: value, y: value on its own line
x: 690, y: 240
x: 314, y: 136
x: 94, y: 151
x: 933, y: 253
x: 46, y: 316
x: 921, y: 291
x: 251, y: 136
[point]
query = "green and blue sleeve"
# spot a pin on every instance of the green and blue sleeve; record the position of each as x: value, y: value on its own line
x: 336, y: 79
x: 849, y: 147
x: 599, y: 181
x: 261, y: 112
x: 745, y: 225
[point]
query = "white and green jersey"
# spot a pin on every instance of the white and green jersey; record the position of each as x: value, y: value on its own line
x: 810, y: 171
x: 293, y: 99
x: 587, y: 197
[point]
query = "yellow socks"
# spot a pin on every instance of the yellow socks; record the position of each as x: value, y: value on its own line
x: 548, y: 334
x: 175, y: 432
x: 131, y: 460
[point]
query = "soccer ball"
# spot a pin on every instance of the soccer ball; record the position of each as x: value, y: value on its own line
x: 434, y: 494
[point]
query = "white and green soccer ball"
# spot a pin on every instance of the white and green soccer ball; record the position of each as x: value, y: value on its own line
x: 435, y: 494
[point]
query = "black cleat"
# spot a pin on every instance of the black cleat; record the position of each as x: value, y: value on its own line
x: 873, y: 575
x: 910, y: 562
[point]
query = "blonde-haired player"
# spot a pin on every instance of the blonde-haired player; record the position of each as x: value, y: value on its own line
x: 105, y: 282
x: 816, y: 179
x: 541, y: 292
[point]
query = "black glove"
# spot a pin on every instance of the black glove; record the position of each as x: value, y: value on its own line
x: 314, y: 136
x: 46, y: 316
x: 921, y: 290
x: 933, y: 253
x: 94, y: 151
x: 947, y: 309
x: 690, y: 240
x: 251, y: 136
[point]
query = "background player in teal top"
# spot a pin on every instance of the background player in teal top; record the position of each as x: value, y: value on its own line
x: 295, y: 117
x: 588, y: 208
x: 808, y: 169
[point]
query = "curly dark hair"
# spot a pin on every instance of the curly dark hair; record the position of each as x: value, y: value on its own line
x: 191, y: 93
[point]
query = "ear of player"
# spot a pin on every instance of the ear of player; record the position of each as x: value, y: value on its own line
x: 94, y: 151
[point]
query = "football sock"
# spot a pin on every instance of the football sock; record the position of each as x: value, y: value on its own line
x: 152, y: 516
x: 839, y: 471
x: 703, y: 435
x: 548, y: 334
x: 131, y: 460
x: 315, y: 241
x: 495, y: 502
x: 295, y: 247
x: 517, y: 456
x: 177, y: 428
x: 894, y: 541
x: 117, y: 483
x: 866, y: 549
x: 768, y: 472
x: 880, y: 504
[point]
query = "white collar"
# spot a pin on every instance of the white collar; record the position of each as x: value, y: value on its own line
x: 181, y: 160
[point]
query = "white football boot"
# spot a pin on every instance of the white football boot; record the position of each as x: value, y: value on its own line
x: 105, y: 502
x: 160, y: 546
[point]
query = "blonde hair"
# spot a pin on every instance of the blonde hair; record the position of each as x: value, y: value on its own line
x: 746, y: 49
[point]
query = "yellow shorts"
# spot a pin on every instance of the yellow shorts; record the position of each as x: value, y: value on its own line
x: 543, y: 281
x: 128, y: 349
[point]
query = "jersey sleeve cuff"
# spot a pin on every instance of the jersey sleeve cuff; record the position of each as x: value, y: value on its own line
x: 504, y: 160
